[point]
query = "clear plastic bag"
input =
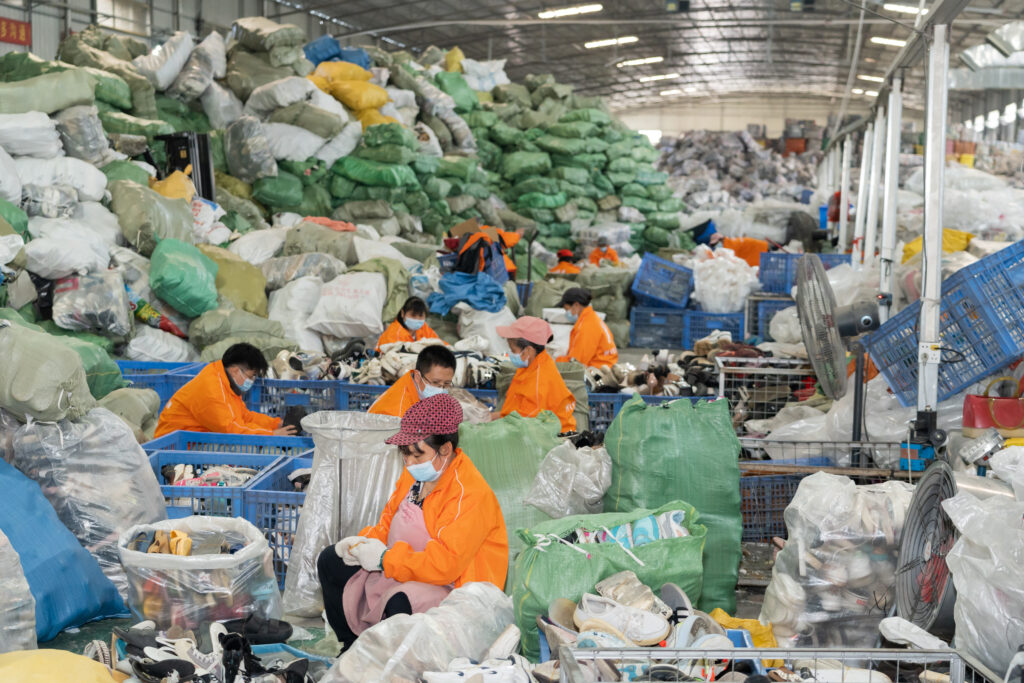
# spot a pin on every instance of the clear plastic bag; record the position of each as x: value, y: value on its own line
x: 96, y: 477
x: 465, y: 624
x: 207, y: 59
x: 248, y: 151
x: 354, y: 474
x: 571, y: 481
x: 284, y: 269
x: 835, y: 579
x: 1008, y: 465
x: 49, y: 201
x: 17, y: 606
x: 93, y: 303
x: 208, y: 585
x: 152, y: 345
x: 785, y: 326
x: 81, y: 133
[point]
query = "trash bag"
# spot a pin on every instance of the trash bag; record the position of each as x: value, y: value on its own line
x: 681, y: 450
x: 87, y: 180
x: 156, y: 346
x: 350, y: 306
x: 548, y: 569
x: 184, y: 277
x: 146, y: 217
x: 259, y: 246
x: 374, y: 173
x: 47, y: 93
x: 248, y: 150
x: 204, y: 587
x: 93, y: 303
x: 342, y: 144
x: 97, y: 478
x: 571, y: 481
x: 66, y: 582
x: 163, y: 64
x: 319, y: 122
x: 263, y: 35
x: 722, y: 281
x: 222, y: 323
x: 354, y: 474
x: 42, y: 378
x: 464, y: 625
x: 206, y: 59
x: 74, y: 49
x: 291, y: 306
x: 238, y: 281
x: 82, y: 134
x: 221, y: 106
x: 138, y: 408
x: 359, y: 95
x: 280, y: 271
x: 31, y: 134
x: 18, y: 614
x: 394, y: 272
x: 283, y: 190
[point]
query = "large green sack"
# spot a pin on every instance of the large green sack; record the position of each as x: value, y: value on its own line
x: 270, y: 347
x: 375, y: 174
x: 47, y: 93
x: 557, y: 145
x: 318, y: 121
x: 223, y: 323
x: 101, y: 372
x: 518, y: 165
x: 119, y: 122
x: 110, y: 88
x: 574, y: 129
x: 644, y: 205
x: 591, y: 115
x: 74, y: 49
x: 683, y: 451
x: 316, y: 201
x: 17, y: 218
x: 389, y: 134
x: 283, y: 190
x: 537, y: 200
x: 183, y: 277
x: 138, y: 408
x: 455, y: 85
x: 309, y: 237
x: 125, y: 170
x: 387, y: 154
x: 238, y: 281
x: 462, y: 168
x: 146, y: 216
x: 542, y: 574
x: 247, y: 71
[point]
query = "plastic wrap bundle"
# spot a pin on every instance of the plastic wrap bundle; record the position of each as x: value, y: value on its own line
x: 96, y: 477
x: 835, y: 579
x: 82, y: 134
x: 465, y: 624
x: 40, y: 377
x: 280, y: 271
x: 153, y: 345
x: 571, y: 481
x: 48, y: 201
x: 988, y: 575
x: 248, y: 151
x: 93, y: 303
x: 230, y: 574
x: 354, y: 474
x: 17, y: 606
x: 722, y: 281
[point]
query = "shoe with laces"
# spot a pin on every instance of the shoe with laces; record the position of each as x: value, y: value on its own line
x: 599, y: 613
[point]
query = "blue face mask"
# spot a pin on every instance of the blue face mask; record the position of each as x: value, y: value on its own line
x: 414, y: 324
x: 571, y: 316
x: 247, y: 384
x: 424, y: 471
x: 517, y: 360
x: 429, y: 391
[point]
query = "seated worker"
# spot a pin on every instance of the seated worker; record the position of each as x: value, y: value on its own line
x: 537, y: 384
x: 212, y: 401
x: 410, y: 325
x: 435, y: 369
x: 602, y: 252
x: 590, y: 341
x: 441, y: 528
x: 566, y: 265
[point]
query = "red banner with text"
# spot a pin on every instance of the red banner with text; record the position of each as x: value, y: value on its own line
x: 17, y: 32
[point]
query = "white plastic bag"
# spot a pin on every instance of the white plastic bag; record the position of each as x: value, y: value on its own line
x: 483, y: 324
x: 722, y: 282
x: 571, y: 481
x: 82, y: 135
x: 354, y: 474
x: 292, y: 143
x: 1008, y: 465
x: 785, y: 326
x: 96, y: 303
x: 153, y: 345
x: 208, y: 58
x: 291, y: 306
x: 17, y: 606
x: 259, y: 245
x: 163, y: 64
x: 32, y: 134
x: 276, y: 94
x: 10, y: 183
x: 66, y: 253
x: 10, y: 245
x: 88, y: 181
x: 428, y: 143
x: 100, y: 220
x: 484, y: 76
x: 221, y: 105
x: 282, y: 270
x: 350, y: 306
x: 401, y: 98
x: 369, y: 249
x: 342, y: 144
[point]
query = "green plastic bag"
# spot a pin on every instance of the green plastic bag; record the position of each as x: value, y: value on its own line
x: 536, y: 200
x: 672, y: 204
x: 389, y: 134
x: 655, y: 238
x: 183, y: 277
x: 659, y: 193
x: 437, y: 188
x: 119, y: 122
x: 573, y: 129
x: 238, y: 281
x: 375, y: 174
x: 557, y: 145
x: 683, y: 451
x: 481, y: 119
x: 125, y: 170
x: 318, y: 121
x: 341, y: 187
x: 146, y: 216
x: 310, y: 172
x: 283, y: 190
x: 387, y: 154
x: 16, y: 217
x: 542, y: 574
x: 316, y: 201
x: 666, y: 220
x: 576, y: 176
x: 531, y: 185
x: 644, y: 205
x: 519, y: 165
x: 462, y: 168
x: 505, y: 135
x: 588, y: 162
x: 591, y: 115
x: 634, y: 190
x: 648, y: 176
x: 425, y: 164
x: 101, y: 371
x: 540, y: 215
x: 455, y: 85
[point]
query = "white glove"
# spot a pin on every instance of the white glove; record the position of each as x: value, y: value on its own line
x: 369, y: 553
x: 344, y: 549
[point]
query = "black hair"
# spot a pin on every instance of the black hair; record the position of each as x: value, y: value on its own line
x: 524, y: 343
x: 246, y: 356
x: 435, y: 441
x: 433, y: 356
x: 414, y: 305
x: 576, y: 295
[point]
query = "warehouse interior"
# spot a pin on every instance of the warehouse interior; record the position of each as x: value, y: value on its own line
x: 523, y: 341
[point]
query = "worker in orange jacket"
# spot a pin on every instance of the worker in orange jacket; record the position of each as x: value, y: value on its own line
x: 212, y: 401
x: 435, y: 369
x: 442, y: 528
x: 590, y: 342
x: 509, y: 240
x: 537, y: 384
x: 565, y: 263
x: 410, y: 325
x: 602, y: 252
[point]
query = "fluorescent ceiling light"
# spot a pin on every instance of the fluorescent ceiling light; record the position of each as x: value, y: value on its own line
x: 691, y: 88
x: 640, y: 62
x: 873, y: 79
x: 904, y: 9
x: 659, y: 77
x: 858, y: 91
x: 673, y: 91
x: 893, y: 42
x: 609, y: 42
x: 570, y: 11
x: 871, y: 93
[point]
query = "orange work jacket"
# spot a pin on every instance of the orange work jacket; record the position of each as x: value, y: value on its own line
x: 608, y: 254
x: 399, y: 398
x: 591, y: 342
x: 508, y: 242
x: 397, y: 332
x: 566, y: 268
x: 540, y: 387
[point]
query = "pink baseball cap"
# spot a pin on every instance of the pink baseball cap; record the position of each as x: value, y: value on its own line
x: 440, y: 414
x: 529, y: 328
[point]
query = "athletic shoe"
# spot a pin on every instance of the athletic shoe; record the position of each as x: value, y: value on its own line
x: 598, y: 613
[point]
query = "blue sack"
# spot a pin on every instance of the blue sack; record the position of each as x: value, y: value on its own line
x: 356, y: 55
x: 323, y: 49
x: 68, y: 586
x: 479, y: 290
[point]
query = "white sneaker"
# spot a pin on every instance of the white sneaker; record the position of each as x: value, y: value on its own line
x: 505, y: 644
x: 601, y: 614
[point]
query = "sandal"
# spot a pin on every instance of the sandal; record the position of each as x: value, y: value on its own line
x: 260, y: 631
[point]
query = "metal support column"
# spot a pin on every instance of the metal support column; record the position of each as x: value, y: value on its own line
x: 929, y: 353
x: 892, y: 173
x: 844, y: 192
x: 863, y: 195
x: 871, y: 224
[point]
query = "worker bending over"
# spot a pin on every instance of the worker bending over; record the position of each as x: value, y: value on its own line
x: 212, y: 401
x: 433, y: 374
x: 410, y: 325
x: 566, y: 265
x: 590, y: 342
x: 537, y: 384
x: 602, y: 252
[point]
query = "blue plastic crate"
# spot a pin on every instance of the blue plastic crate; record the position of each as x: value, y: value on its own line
x: 662, y: 283
x: 657, y: 328
x: 604, y: 408
x: 230, y: 443
x: 998, y: 282
x: 763, y: 499
x: 359, y: 397
x: 160, y: 377
x: 273, y: 505
x: 488, y: 396
x: 274, y: 396
x: 766, y: 310
x: 206, y: 501
x: 777, y: 271
x: 699, y: 324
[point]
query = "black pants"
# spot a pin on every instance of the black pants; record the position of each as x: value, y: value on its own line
x: 334, y: 574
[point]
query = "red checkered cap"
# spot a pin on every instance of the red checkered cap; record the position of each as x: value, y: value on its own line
x: 439, y: 414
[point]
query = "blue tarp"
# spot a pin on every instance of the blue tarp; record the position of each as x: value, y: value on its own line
x: 479, y: 290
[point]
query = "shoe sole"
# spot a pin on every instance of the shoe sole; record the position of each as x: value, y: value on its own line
x: 604, y: 627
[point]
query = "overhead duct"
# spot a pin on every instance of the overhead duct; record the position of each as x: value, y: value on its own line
x: 982, y: 57
x: 998, y: 78
x: 1008, y: 38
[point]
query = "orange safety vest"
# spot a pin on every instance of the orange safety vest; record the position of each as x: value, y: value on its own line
x: 399, y: 398
x: 566, y: 268
x: 608, y: 254
x: 541, y: 387
x: 397, y: 332
x: 468, y: 540
x: 591, y: 342
x: 209, y: 404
